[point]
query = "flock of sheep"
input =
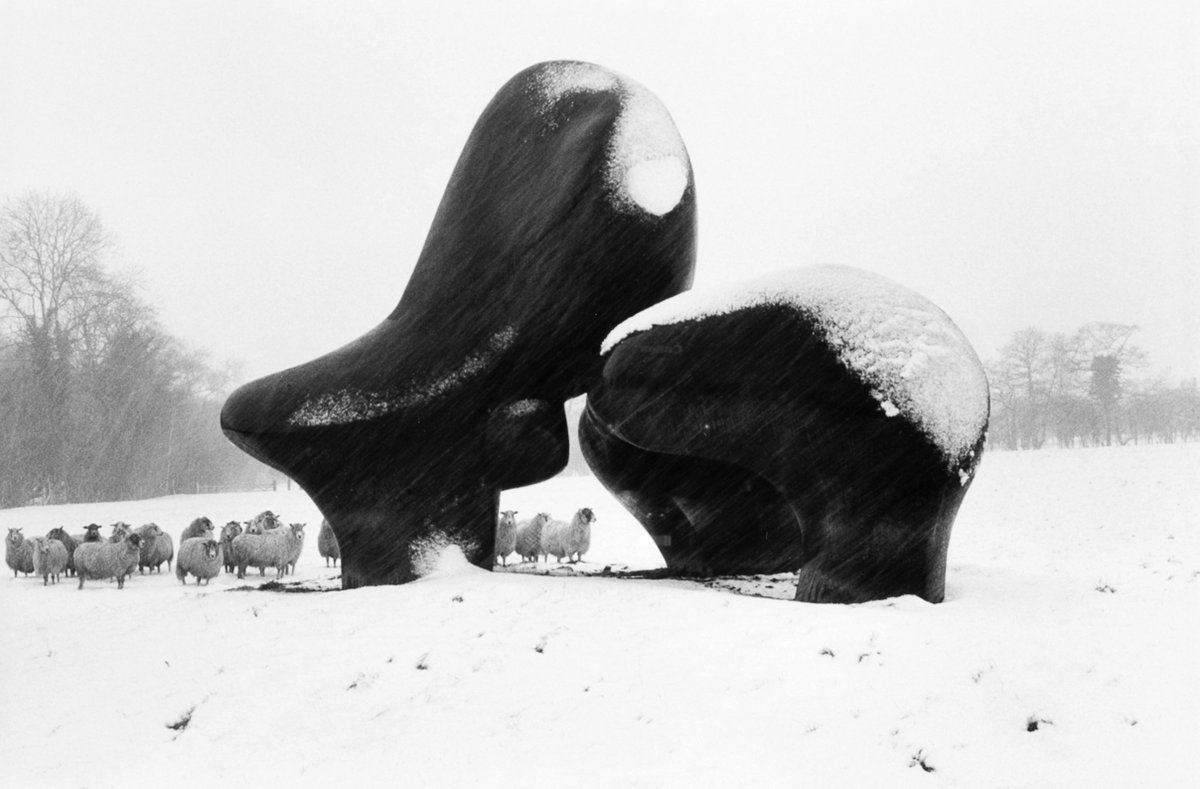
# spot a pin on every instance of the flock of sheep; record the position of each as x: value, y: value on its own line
x: 263, y: 541
x: 542, y: 536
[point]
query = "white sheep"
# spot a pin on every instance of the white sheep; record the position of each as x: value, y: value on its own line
x: 69, y: 542
x: 327, y: 544
x: 97, y: 560
x: 18, y: 552
x: 199, y: 556
x: 201, y: 527
x: 157, y: 547
x: 271, y: 549
x: 228, y: 532
x: 297, y: 543
x: 49, y: 559
x: 529, y: 536
x: 568, y: 540
x: 263, y: 522
x: 506, y: 535
x: 120, y: 530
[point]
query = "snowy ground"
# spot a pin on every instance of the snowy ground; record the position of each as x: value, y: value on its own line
x: 1072, y: 602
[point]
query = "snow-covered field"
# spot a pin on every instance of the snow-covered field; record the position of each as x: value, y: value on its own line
x: 1065, y: 655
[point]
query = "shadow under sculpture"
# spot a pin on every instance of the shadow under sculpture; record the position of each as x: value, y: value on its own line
x: 824, y: 419
x: 571, y: 208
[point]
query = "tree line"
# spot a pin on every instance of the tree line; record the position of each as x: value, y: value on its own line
x: 1084, y: 389
x: 97, y: 401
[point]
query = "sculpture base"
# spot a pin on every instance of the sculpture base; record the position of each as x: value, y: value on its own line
x: 405, y: 536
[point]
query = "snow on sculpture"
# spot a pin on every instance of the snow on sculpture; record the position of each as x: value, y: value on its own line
x: 571, y: 208
x: 823, y: 419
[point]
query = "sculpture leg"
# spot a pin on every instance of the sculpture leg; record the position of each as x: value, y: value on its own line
x: 884, y: 544
x: 402, y: 537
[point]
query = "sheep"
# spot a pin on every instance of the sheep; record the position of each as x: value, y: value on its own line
x: 157, y: 547
x: 18, y: 552
x: 228, y: 532
x: 91, y: 533
x: 107, y: 560
x: 263, y: 522
x: 120, y: 530
x: 529, y: 536
x: 272, y: 549
x: 327, y: 544
x: 49, y: 559
x: 297, y: 545
x: 69, y: 542
x: 200, y: 556
x: 201, y: 527
x: 568, y: 540
x: 506, y: 535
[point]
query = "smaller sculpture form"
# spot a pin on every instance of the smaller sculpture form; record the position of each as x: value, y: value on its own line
x: 824, y: 419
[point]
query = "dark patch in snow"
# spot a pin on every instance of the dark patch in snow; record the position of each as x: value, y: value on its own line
x: 780, y: 586
x: 423, y: 662
x: 293, y: 587
x: 918, y: 760
x: 183, y: 721
x: 1106, y: 588
x: 828, y: 651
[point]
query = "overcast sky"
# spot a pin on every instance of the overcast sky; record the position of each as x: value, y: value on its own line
x: 272, y: 168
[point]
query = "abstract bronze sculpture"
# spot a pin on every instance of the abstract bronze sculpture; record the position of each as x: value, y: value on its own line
x: 824, y: 419
x: 571, y: 208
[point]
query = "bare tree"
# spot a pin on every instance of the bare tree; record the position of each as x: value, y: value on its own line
x: 1112, y: 356
x: 52, y: 283
x: 1023, y: 377
x: 96, y: 400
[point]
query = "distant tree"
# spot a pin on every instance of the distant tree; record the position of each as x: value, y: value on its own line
x: 1105, y: 390
x: 96, y: 400
x: 52, y: 283
x: 1082, y: 388
x: 1067, y: 409
x: 1113, y: 355
x: 1022, y: 377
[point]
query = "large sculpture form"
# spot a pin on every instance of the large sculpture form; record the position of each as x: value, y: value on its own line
x: 571, y: 208
x: 824, y: 419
